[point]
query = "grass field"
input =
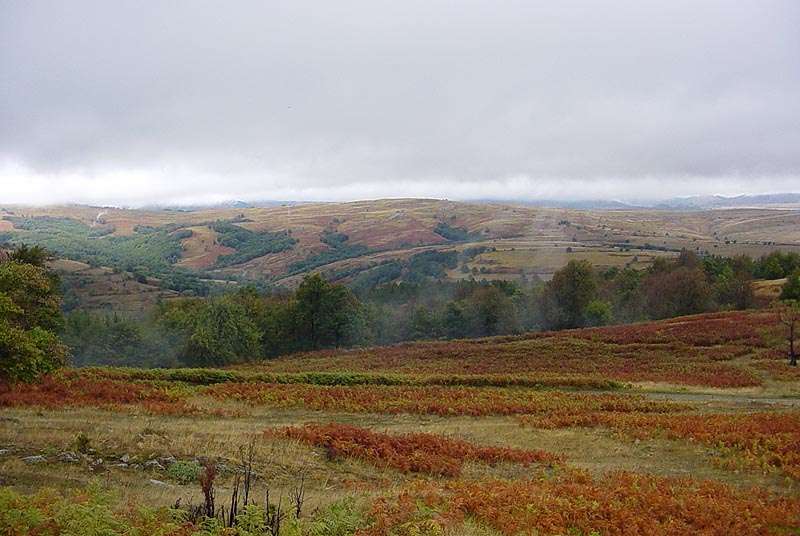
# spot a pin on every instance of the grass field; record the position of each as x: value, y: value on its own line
x: 684, y: 426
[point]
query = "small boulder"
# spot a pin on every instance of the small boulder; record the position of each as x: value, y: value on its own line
x: 154, y: 465
x: 167, y: 460
x: 68, y: 457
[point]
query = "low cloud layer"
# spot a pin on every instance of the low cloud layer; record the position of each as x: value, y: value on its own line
x: 133, y: 103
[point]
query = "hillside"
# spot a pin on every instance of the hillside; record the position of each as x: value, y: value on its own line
x: 343, y: 240
x: 741, y: 349
x: 99, y: 288
x: 691, y: 421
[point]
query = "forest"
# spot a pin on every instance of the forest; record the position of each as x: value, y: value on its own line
x: 248, y: 324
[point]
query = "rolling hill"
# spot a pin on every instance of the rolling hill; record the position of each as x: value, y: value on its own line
x: 173, y: 250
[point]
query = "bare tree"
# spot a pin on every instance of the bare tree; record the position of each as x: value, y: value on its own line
x: 789, y: 314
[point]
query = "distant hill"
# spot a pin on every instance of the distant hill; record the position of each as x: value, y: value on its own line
x: 232, y: 204
x: 699, y: 202
x: 590, y: 204
x: 365, y: 243
x: 718, y: 201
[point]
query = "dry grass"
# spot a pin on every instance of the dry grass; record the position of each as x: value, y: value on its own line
x: 279, y: 463
x: 768, y: 290
x: 201, y: 249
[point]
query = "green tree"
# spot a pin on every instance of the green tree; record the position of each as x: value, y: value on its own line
x: 620, y: 288
x: 490, y: 312
x: 36, y: 292
x: 30, y: 319
x: 454, y: 321
x: 425, y: 324
x: 598, y: 313
x: 326, y: 315
x: 772, y: 266
x: 570, y: 291
x: 791, y: 289
x: 98, y: 339
x: 344, y: 318
x: 215, y: 332
x: 35, y: 255
x: 222, y: 334
x: 680, y: 291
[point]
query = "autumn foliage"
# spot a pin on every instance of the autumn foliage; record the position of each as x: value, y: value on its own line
x: 433, y: 400
x: 408, y: 453
x: 77, y: 388
x: 574, y: 503
x: 699, y: 350
x: 767, y: 441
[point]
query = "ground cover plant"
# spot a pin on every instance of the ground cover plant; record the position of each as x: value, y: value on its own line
x: 575, y: 503
x: 408, y: 453
x: 768, y: 441
x: 554, y: 433
x: 700, y: 350
x: 431, y: 400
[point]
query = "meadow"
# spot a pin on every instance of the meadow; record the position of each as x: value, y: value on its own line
x: 683, y: 426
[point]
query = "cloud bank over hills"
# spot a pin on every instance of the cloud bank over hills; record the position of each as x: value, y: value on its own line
x: 188, y: 102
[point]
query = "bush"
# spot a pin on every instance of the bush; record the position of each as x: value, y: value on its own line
x: 183, y: 472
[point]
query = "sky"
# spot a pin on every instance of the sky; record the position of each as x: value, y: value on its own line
x: 131, y: 103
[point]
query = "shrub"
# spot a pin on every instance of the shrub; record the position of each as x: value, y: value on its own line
x: 184, y: 472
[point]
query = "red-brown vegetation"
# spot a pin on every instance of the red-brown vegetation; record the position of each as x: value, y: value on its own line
x: 72, y: 388
x: 701, y: 351
x: 408, y: 453
x: 432, y: 400
x: 769, y: 441
x: 574, y: 503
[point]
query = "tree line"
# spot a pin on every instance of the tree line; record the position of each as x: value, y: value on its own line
x: 248, y: 325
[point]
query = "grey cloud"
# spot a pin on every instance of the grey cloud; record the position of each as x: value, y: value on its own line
x: 379, y: 96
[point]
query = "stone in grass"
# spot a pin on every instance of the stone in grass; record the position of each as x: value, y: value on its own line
x: 167, y: 460
x: 34, y: 459
x: 68, y: 457
x: 159, y: 483
x: 153, y: 464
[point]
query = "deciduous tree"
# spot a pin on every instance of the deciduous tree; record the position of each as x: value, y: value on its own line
x: 791, y: 289
x: 325, y: 315
x: 30, y: 318
x: 571, y: 290
x: 789, y: 314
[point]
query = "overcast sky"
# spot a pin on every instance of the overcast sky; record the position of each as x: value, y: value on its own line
x: 130, y: 103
